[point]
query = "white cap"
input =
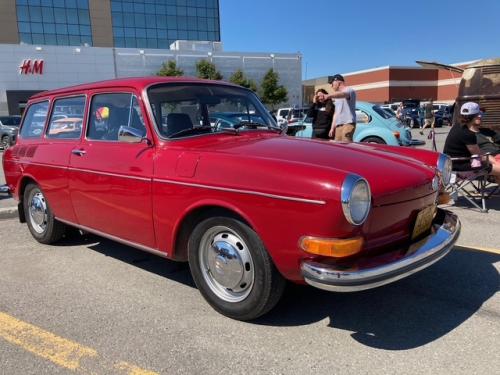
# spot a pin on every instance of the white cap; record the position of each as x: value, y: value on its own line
x: 470, y: 109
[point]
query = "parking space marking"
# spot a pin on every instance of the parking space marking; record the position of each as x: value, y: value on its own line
x: 64, y: 353
x: 477, y: 248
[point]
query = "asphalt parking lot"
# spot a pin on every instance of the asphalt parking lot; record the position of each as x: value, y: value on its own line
x: 92, y: 306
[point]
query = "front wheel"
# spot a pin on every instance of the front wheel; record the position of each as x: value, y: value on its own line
x: 232, y: 269
x: 39, y: 217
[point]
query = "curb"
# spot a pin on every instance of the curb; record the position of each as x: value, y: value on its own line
x: 8, y: 213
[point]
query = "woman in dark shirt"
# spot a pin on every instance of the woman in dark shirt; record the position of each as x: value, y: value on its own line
x: 321, y: 111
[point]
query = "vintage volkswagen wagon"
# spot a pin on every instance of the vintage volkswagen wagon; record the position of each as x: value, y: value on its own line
x: 153, y: 166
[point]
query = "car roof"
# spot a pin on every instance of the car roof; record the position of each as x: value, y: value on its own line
x: 138, y: 83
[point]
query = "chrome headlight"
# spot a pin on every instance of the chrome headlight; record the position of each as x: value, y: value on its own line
x: 356, y: 199
x: 444, y: 168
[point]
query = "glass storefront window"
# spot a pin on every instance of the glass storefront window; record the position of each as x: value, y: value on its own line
x: 184, y: 19
x: 54, y: 22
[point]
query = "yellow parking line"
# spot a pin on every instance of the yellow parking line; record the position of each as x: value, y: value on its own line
x: 477, y: 248
x: 64, y: 353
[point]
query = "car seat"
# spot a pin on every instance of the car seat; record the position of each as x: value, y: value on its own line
x: 177, y: 122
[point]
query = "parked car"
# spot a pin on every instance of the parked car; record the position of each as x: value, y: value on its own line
x: 296, y: 114
x: 392, y: 106
x: 9, y: 125
x: 282, y: 115
x: 373, y: 125
x: 247, y: 206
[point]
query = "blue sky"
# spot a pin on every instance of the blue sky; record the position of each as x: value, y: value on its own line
x: 345, y: 36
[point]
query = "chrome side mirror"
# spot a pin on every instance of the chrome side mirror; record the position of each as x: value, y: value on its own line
x: 130, y: 135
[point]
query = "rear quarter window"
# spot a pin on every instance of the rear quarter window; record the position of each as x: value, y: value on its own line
x: 34, y: 121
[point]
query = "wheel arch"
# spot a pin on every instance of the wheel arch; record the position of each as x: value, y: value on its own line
x: 374, y: 137
x: 195, y: 215
x: 25, y: 181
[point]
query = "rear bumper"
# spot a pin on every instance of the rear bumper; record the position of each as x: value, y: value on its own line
x: 371, y: 273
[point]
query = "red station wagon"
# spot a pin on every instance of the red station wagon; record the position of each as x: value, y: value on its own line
x: 198, y: 171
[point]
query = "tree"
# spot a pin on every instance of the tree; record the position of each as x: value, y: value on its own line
x: 272, y: 93
x: 239, y: 78
x: 169, y: 69
x: 207, y: 70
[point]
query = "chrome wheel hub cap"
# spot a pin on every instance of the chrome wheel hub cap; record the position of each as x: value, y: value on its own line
x: 38, y: 212
x: 226, y: 264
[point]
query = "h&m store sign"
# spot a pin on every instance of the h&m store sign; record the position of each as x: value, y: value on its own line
x: 29, y: 66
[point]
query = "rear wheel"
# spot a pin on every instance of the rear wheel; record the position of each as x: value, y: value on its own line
x: 374, y: 140
x: 232, y: 269
x: 39, y: 217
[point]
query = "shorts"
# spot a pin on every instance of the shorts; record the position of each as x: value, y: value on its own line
x: 344, y: 132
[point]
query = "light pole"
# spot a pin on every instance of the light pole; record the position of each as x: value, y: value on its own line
x: 272, y: 58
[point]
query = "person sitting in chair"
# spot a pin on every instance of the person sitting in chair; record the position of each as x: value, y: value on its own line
x: 462, y: 141
x: 488, y: 141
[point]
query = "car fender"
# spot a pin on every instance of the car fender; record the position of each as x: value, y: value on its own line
x: 365, y: 131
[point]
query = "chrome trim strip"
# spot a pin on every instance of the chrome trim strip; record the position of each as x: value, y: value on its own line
x: 274, y: 196
x: 117, y: 239
x: 110, y: 174
x: 85, y: 171
x: 39, y: 164
x: 428, y: 251
x: 267, y: 195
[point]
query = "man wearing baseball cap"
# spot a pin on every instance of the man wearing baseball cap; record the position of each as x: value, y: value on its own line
x: 344, y: 119
x: 462, y: 140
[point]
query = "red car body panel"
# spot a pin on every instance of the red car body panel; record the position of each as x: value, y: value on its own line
x: 284, y: 188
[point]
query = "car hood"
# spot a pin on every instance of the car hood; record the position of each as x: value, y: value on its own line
x: 393, y: 176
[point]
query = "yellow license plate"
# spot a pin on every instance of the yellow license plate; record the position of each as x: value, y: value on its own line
x: 424, y: 221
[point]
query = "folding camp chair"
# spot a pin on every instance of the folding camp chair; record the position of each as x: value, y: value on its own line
x: 474, y: 184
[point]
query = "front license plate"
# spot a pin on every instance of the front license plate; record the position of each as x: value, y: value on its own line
x: 423, y: 222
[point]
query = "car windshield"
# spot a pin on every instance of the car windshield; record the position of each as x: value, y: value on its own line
x: 11, y: 121
x: 383, y: 112
x: 189, y: 109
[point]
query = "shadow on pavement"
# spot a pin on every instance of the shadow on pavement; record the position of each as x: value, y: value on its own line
x: 492, y: 203
x: 176, y: 271
x: 407, y: 314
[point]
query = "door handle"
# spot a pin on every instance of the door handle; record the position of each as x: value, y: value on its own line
x: 78, y: 152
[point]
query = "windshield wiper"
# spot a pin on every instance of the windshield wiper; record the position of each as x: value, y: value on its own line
x: 188, y: 130
x: 256, y: 125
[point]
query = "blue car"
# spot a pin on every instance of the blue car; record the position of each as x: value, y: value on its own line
x: 373, y: 124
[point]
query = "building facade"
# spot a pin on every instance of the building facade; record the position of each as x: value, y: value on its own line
x: 391, y: 84
x: 109, y: 23
x: 48, y: 44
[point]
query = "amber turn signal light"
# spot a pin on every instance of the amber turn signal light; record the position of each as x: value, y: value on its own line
x: 444, y: 197
x: 331, y: 247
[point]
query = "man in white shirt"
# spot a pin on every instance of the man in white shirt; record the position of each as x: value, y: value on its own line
x: 344, y: 119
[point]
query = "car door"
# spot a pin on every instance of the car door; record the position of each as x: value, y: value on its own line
x: 55, y: 150
x: 110, y: 179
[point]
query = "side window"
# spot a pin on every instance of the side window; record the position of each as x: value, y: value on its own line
x: 34, y: 121
x: 66, y: 119
x: 362, y: 117
x: 110, y: 112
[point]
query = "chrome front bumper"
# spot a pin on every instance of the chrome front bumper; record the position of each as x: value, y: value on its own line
x: 417, y: 256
